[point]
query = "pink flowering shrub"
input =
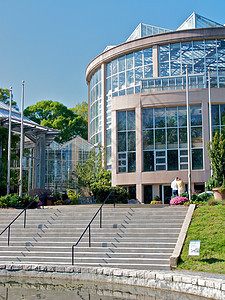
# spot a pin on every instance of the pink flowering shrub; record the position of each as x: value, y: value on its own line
x: 178, y: 200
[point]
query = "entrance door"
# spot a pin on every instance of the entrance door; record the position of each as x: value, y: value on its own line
x: 165, y: 193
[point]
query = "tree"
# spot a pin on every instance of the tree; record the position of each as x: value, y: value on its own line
x: 216, y: 153
x: 56, y: 115
x: 4, y: 97
x: 92, y: 176
x: 81, y: 109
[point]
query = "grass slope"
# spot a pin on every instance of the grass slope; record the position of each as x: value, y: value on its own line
x: 208, y: 226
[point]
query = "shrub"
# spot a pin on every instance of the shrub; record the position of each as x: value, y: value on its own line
x: 73, y: 196
x: 156, y: 198
x: 178, y: 200
x: 212, y: 202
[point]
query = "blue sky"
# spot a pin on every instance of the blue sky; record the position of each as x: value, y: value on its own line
x: 49, y: 43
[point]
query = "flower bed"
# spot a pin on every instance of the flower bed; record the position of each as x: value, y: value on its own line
x: 178, y: 200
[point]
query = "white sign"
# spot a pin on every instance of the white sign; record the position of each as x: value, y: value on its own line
x: 194, y: 248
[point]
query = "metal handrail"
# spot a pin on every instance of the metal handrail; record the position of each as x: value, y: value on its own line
x: 24, y: 222
x: 89, y: 225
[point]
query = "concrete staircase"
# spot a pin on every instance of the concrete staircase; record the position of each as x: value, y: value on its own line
x: 132, y: 236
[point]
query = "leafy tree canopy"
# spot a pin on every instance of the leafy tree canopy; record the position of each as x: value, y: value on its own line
x: 81, y: 109
x: 97, y: 180
x: 216, y: 153
x: 4, y: 97
x: 56, y: 115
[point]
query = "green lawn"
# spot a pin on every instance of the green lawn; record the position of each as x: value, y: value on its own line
x: 208, y: 226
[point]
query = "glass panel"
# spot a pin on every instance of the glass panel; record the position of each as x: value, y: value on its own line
x: 131, y: 161
x: 172, y: 160
x: 215, y: 115
x: 148, y: 163
x: 197, y: 159
x: 183, y: 137
x: 122, y: 81
x: 130, y: 91
x: 182, y: 116
x: 114, y: 83
x: 108, y: 70
x: 164, y: 69
x: 121, y: 120
x: 160, y: 117
x: 122, y: 169
x: 122, y: 92
x: 160, y: 167
x: 138, y: 59
x: 108, y: 85
x: 131, y: 141
x: 196, y: 115
x: 130, y: 78
x: 196, y: 137
x: 172, y: 138
x: 175, y: 57
x: 114, y: 66
x: 131, y: 120
x: 222, y: 114
x: 121, y: 63
x: 148, y: 141
x: 148, y: 71
x: 210, y: 55
x: 122, y: 141
x: 147, y: 56
x: 186, y: 49
x: 171, y: 117
x: 138, y: 75
x: 108, y: 137
x: 221, y: 55
x: 147, y: 118
x: 160, y: 138
x: 130, y: 62
x: 215, y: 129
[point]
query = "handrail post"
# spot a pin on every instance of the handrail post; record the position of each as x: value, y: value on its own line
x: 8, y: 235
x: 72, y: 255
x: 25, y: 215
x: 89, y: 235
x: 101, y: 218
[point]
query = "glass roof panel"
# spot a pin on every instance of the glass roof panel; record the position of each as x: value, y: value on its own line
x: 197, y: 21
x: 143, y: 30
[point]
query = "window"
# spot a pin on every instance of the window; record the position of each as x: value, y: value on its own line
x: 164, y: 137
x: 126, y: 141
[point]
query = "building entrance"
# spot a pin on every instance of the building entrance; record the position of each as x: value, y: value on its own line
x: 165, y: 193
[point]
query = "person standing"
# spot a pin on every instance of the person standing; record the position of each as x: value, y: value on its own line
x: 174, y: 187
x: 181, y: 187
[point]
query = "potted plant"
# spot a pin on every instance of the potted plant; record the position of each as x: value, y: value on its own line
x: 216, y: 153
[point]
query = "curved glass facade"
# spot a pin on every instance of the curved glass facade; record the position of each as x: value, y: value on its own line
x: 124, y: 74
x: 197, y: 55
x: 128, y: 74
x: 96, y: 107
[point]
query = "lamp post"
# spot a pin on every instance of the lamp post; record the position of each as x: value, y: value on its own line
x: 9, y: 141
x: 188, y: 135
x: 210, y: 111
x: 21, y: 143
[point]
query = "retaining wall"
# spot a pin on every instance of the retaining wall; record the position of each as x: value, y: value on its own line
x: 201, y: 284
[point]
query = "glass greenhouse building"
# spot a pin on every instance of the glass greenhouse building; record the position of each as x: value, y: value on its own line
x: 137, y: 104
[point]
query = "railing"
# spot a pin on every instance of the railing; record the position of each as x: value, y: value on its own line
x: 173, y: 82
x: 89, y: 225
x: 24, y: 222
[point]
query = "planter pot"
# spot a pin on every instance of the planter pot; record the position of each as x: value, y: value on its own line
x: 218, y: 195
